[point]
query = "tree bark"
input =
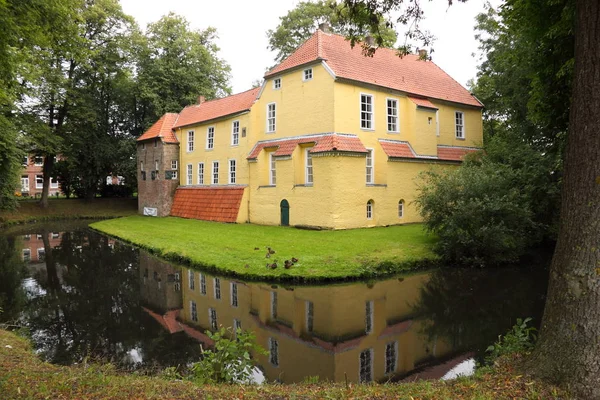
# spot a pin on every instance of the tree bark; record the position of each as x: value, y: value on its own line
x: 568, y: 349
x: 47, y: 173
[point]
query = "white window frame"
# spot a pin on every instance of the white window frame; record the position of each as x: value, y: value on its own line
x: 190, y: 141
x: 191, y: 280
x: 27, y: 255
x: 391, y: 363
x: 309, y: 170
x: 272, y: 170
x: 369, y: 316
x: 156, y: 165
x: 215, y: 173
x: 212, y: 319
x: 310, y: 316
x: 174, y: 164
x: 276, y: 83
x: 202, y: 284
x: 217, y: 288
x: 459, y: 127
x: 235, y: 133
x: 200, y: 173
x: 273, y: 305
x: 232, y: 171
x: 36, y: 163
x: 271, y: 117
x: 367, y: 367
x: 190, y: 174
x: 274, y: 352
x: 233, y: 290
x: 39, y: 185
x: 53, y: 183
x: 24, y: 184
x: 210, y: 138
x: 25, y: 161
x: 401, y: 209
x: 41, y: 253
x: 141, y: 166
x: 193, y: 311
x: 371, y: 113
x: 370, y: 167
x: 394, y: 118
x: 307, y: 74
x: 370, y: 209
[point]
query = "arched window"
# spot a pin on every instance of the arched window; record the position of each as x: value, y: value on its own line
x: 370, y: 209
x: 401, y: 209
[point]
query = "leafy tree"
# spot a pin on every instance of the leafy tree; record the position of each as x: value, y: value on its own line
x: 300, y: 23
x: 568, y: 342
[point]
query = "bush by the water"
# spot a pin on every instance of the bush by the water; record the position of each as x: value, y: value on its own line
x: 520, y: 339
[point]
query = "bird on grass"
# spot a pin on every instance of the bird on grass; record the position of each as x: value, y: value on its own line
x: 288, y: 264
x: 273, y: 266
x: 271, y: 251
x: 294, y: 260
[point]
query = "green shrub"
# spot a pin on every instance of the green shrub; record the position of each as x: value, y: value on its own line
x: 520, y: 339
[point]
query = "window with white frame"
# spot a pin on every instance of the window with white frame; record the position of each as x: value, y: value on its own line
x: 25, y: 161
x: 370, y: 209
x: 193, y: 311
x: 401, y: 209
x: 41, y: 253
x: 274, y: 352
x: 366, y: 111
x: 237, y: 325
x: 309, y: 167
x: 25, y: 184
x: 277, y: 83
x: 459, y: 118
x: 210, y: 138
x: 191, y: 279
x: 234, y: 294
x: 141, y: 166
x: 271, y: 114
x: 215, y: 173
x: 189, y: 174
x: 38, y: 161
x: 173, y: 164
x: 310, y: 315
x: 156, y: 165
x: 392, y: 115
x: 369, y: 167
x: 308, y: 74
x: 212, y: 318
x: 39, y: 181
x: 201, y: 173
x: 272, y: 170
x: 202, y: 283
x: 365, y: 373
x: 232, y: 171
x: 55, y: 235
x: 391, y: 357
x: 26, y: 255
x: 235, y: 133
x: 53, y: 183
x: 217, y: 284
x: 273, y: 305
x: 369, y: 317
x: 190, y: 141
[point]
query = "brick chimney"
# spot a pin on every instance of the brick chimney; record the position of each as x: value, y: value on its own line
x: 201, y: 99
x: 324, y: 27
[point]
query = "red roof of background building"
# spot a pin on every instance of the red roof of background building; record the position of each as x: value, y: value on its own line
x: 407, y: 74
x: 323, y: 143
x: 162, y: 128
x: 422, y: 102
x: 212, y: 109
x: 221, y: 204
x: 401, y: 149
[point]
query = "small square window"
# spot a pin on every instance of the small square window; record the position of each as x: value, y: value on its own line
x: 308, y: 74
x: 174, y: 164
x: 38, y: 161
x: 277, y: 83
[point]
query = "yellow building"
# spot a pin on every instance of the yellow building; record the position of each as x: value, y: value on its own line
x: 331, y: 139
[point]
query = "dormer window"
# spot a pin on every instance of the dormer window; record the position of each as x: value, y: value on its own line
x: 277, y: 83
x: 308, y: 74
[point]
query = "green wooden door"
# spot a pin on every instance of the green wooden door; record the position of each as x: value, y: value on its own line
x: 285, y: 212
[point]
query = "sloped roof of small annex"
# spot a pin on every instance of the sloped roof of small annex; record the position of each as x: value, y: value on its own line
x: 163, y: 128
x: 407, y: 74
x: 400, y: 149
x: 212, y: 109
x: 326, y: 142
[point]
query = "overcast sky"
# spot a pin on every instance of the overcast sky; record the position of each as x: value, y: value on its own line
x: 242, y: 25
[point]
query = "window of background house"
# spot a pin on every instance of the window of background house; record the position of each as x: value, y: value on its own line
x: 173, y: 164
x: 39, y: 181
x: 38, y: 161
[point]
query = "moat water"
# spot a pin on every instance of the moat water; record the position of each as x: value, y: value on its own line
x: 83, y: 296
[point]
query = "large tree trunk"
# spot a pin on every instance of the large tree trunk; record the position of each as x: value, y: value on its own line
x: 47, y: 171
x: 568, y: 350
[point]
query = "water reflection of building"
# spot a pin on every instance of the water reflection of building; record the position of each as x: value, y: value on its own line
x: 34, y: 250
x: 160, y: 284
x: 356, y: 332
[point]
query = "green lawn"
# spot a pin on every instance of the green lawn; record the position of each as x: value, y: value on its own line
x: 240, y: 250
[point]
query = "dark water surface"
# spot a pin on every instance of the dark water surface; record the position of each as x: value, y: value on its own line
x: 82, y: 295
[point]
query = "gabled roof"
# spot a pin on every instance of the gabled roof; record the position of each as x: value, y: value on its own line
x: 217, y: 108
x: 163, y: 128
x: 407, y: 74
x: 403, y: 150
x: 323, y: 143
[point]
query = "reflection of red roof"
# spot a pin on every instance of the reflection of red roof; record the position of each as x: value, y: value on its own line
x: 217, y: 108
x: 323, y: 143
x: 407, y: 74
x: 402, y: 149
x: 168, y: 321
x: 397, y: 328
x: 220, y: 204
x: 422, y: 102
x: 162, y: 128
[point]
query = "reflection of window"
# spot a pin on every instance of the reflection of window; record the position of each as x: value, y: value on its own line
x: 202, y: 283
x: 26, y: 255
x: 310, y: 315
x: 366, y: 366
x: 191, y: 279
x: 274, y: 305
x: 368, y: 317
x: 217, y: 282
x: 27, y: 237
x: 212, y: 315
x: 237, y: 324
x: 193, y: 311
x: 274, y: 352
x: 391, y: 357
x: 41, y: 253
x: 234, y: 294
x: 39, y: 236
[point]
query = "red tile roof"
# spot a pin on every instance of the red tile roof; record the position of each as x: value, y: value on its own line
x: 402, y: 149
x: 323, y: 143
x: 407, y: 74
x: 422, y: 102
x: 168, y: 320
x: 162, y: 128
x: 212, y: 109
x: 221, y: 204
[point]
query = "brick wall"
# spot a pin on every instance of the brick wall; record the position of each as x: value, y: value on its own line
x: 158, y: 192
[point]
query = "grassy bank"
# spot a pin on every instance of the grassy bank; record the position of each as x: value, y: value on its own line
x: 24, y: 376
x: 30, y: 211
x: 241, y: 250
